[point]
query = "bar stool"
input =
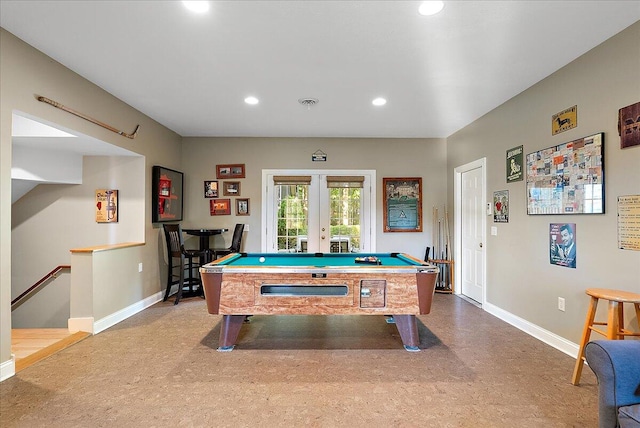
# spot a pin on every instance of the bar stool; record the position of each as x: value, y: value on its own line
x: 615, y: 320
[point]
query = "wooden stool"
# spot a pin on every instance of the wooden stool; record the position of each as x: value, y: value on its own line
x: 615, y: 320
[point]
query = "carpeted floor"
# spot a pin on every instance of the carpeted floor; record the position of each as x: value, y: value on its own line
x: 160, y: 368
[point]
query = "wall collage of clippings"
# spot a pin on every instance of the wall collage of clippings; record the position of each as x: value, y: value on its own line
x: 569, y: 179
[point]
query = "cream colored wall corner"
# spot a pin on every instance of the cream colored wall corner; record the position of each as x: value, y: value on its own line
x: 399, y: 157
x: 25, y: 73
x: 520, y: 279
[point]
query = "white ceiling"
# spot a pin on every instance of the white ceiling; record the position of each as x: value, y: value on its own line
x: 192, y: 72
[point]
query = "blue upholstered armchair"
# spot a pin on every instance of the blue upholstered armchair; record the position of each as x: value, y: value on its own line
x: 616, y: 364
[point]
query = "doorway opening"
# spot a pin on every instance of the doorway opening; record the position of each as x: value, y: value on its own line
x: 470, y: 197
x: 318, y: 211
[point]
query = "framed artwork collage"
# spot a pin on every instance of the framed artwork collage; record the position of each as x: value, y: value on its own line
x: 226, y: 186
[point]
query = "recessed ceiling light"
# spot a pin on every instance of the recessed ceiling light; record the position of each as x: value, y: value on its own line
x: 379, y: 102
x: 428, y: 8
x: 197, y: 6
x: 251, y: 100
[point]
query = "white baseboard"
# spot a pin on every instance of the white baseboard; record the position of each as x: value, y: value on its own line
x: 113, y: 319
x: 8, y: 368
x: 80, y: 324
x: 551, y: 339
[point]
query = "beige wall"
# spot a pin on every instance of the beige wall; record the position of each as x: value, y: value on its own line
x: 44, y: 213
x: 424, y: 158
x: 25, y: 73
x: 520, y: 279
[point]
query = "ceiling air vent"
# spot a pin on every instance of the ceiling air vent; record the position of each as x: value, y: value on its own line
x: 308, y: 102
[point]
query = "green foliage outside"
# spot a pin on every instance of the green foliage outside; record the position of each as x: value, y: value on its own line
x: 293, y: 215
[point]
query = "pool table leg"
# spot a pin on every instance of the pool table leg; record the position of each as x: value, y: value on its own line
x: 229, y: 330
x: 408, y: 329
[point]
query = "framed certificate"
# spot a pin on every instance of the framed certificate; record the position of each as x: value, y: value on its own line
x: 402, y: 204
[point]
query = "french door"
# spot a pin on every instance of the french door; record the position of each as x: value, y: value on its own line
x: 318, y: 211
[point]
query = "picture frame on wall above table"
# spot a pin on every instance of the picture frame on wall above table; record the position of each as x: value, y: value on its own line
x: 211, y: 189
x: 220, y: 207
x: 402, y: 202
x: 230, y: 188
x: 166, y: 194
x: 230, y: 171
x: 242, y: 206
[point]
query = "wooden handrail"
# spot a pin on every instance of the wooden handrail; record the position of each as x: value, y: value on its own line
x: 48, y: 276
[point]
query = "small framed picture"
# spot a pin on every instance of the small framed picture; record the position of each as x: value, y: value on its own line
x: 210, y: 189
x: 220, y: 207
x: 242, y: 206
x: 231, y: 188
x: 107, y: 206
x: 230, y: 171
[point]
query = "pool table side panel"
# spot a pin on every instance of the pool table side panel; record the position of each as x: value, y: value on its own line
x: 241, y: 295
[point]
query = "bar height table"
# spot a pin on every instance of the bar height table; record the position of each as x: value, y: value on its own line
x: 204, y: 235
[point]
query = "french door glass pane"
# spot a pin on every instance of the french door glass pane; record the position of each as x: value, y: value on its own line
x: 292, y: 201
x: 345, y: 219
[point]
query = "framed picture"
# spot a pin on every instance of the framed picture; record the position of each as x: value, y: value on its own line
x: 220, y: 207
x: 562, y: 244
x: 242, y: 206
x: 231, y: 188
x: 210, y: 189
x: 166, y: 194
x: 564, y: 120
x: 106, y: 206
x: 402, y: 201
x: 567, y: 179
x: 501, y: 206
x: 629, y: 125
x: 230, y: 171
x: 515, y: 170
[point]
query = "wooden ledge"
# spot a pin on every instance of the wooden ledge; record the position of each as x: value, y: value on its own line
x: 106, y: 247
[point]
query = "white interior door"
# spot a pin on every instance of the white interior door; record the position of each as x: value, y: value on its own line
x: 471, y: 220
x: 318, y: 211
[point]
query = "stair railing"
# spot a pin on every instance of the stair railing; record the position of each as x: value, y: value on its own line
x: 53, y: 274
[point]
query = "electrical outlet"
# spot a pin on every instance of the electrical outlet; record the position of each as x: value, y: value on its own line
x: 246, y: 227
x: 561, y: 304
x: 139, y: 267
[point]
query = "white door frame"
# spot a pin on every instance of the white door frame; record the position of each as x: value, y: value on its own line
x: 457, y: 213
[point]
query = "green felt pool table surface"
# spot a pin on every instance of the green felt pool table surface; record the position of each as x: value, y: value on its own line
x: 317, y: 260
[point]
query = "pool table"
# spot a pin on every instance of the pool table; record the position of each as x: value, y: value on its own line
x: 242, y: 284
